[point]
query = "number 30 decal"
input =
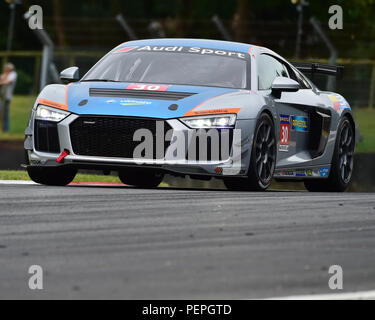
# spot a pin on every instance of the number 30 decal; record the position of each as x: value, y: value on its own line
x: 284, y: 133
x: 148, y: 87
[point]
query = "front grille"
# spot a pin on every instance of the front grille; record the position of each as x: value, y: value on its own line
x: 46, y: 137
x: 113, y: 136
x: 139, y: 94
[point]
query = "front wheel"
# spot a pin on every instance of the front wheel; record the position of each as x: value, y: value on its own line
x: 140, y: 178
x: 263, y: 159
x: 342, y: 162
x: 58, y: 176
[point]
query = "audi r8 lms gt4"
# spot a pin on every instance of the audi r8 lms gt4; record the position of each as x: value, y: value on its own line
x: 199, y: 108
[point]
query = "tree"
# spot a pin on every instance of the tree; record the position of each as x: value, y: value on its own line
x: 240, y: 20
x: 59, y: 25
x: 183, y: 14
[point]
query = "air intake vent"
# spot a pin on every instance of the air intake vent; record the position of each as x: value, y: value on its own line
x: 46, y: 137
x: 139, y: 94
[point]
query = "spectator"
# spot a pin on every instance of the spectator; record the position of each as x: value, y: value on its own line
x: 7, y: 82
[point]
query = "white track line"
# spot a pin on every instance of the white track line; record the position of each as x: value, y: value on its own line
x: 360, y: 295
x: 16, y: 182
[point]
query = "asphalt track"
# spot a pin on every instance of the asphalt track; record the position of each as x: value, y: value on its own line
x: 126, y: 243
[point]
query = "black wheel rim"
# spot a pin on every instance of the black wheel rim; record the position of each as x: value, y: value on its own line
x: 265, y: 152
x: 346, y: 152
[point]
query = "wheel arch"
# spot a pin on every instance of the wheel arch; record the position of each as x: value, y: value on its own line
x: 351, y: 120
x: 267, y: 111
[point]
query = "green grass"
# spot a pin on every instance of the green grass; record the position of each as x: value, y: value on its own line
x: 22, y: 175
x: 21, y: 106
x: 7, y: 136
x: 365, y: 119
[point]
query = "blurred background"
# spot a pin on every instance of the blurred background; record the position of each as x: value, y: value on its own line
x: 80, y: 32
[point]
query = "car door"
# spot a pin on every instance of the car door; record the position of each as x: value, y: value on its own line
x: 294, y: 110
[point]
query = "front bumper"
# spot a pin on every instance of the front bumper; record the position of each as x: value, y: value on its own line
x: 235, y: 165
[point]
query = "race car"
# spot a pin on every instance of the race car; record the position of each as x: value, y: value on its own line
x: 193, y: 107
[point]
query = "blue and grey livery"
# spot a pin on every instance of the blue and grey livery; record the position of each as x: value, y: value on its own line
x: 288, y: 128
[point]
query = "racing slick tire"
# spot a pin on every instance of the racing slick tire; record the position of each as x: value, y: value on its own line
x: 341, y: 171
x: 141, y: 178
x: 263, y: 159
x: 52, y: 176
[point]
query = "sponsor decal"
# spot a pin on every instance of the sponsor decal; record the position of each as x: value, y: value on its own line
x: 315, y: 172
x: 193, y: 50
x: 283, y: 148
x: 147, y: 87
x: 300, y: 173
x: 128, y: 102
x: 284, y: 132
x: 126, y: 49
x: 299, y: 123
x: 339, y: 102
x: 287, y: 173
x: 324, y: 172
x: 217, y: 52
x: 336, y: 103
x: 284, y: 118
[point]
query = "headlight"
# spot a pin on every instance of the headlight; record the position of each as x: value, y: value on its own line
x: 224, y: 121
x: 50, y: 114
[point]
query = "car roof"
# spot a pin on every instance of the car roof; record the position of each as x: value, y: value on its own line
x: 203, y: 43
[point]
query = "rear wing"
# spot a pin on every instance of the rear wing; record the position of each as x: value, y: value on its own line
x: 317, y: 68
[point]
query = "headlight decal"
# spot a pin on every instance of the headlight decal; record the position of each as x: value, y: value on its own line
x: 194, y: 112
x: 211, y: 121
x: 53, y: 104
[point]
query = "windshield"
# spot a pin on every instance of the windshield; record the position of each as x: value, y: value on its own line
x: 172, y: 68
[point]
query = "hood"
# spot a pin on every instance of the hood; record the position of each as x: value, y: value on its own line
x: 125, y: 99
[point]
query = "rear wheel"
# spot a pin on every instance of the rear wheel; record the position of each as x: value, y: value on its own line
x: 342, y: 162
x: 140, y: 178
x: 52, y: 176
x: 263, y: 158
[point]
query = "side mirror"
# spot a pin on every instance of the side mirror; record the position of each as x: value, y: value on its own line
x: 283, y: 84
x: 69, y: 75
